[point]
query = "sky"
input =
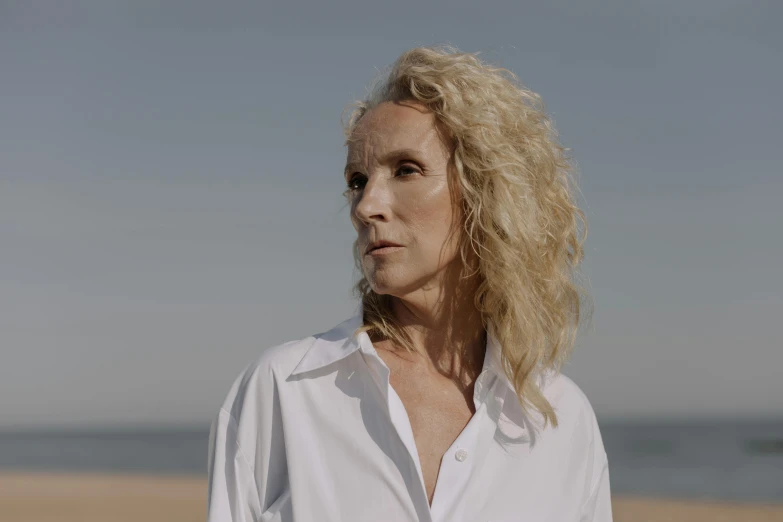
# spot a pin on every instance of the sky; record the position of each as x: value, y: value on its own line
x: 171, y: 180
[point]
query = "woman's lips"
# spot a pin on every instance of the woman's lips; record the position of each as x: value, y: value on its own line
x: 384, y: 250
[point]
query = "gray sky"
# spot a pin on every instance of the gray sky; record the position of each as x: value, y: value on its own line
x: 170, y: 192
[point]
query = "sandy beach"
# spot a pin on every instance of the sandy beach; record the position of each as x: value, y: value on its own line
x: 50, y: 497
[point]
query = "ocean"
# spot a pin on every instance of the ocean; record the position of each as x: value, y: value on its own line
x: 736, y: 461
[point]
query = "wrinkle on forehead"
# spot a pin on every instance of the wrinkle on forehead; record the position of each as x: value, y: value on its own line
x: 383, y: 129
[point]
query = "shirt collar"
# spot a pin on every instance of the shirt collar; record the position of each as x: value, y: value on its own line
x: 342, y: 340
x: 332, y: 346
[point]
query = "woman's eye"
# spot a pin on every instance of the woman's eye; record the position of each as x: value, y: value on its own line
x: 406, y: 170
x: 356, y: 182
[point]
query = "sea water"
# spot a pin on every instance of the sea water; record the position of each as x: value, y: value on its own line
x: 738, y: 461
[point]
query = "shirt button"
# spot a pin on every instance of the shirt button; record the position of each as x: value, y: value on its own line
x: 461, y: 455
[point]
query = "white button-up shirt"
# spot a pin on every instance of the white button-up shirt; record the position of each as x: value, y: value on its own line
x: 313, y: 431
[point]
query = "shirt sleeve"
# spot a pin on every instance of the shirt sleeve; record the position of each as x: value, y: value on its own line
x: 232, y: 494
x: 248, y: 470
x: 598, y: 506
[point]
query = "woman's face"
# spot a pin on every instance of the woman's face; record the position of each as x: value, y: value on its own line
x: 401, y: 193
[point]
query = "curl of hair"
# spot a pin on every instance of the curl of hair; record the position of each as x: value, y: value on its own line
x: 520, y: 216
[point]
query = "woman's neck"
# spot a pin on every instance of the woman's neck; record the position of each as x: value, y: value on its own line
x: 446, y: 329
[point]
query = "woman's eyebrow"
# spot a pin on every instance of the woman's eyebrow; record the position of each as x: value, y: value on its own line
x: 389, y: 157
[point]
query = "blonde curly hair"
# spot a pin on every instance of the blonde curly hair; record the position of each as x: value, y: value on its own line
x: 520, y: 216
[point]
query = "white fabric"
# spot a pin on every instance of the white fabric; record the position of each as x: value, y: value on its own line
x: 313, y: 431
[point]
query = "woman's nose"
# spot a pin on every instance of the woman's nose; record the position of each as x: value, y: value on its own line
x: 373, y: 202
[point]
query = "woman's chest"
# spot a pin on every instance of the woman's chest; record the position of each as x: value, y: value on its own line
x: 369, y: 485
x: 349, y: 456
x: 437, y: 415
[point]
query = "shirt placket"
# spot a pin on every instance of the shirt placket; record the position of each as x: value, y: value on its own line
x: 462, y: 463
x: 399, y: 419
x: 459, y: 462
x: 457, y: 466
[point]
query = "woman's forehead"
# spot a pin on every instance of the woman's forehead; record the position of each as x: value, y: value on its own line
x: 392, y: 127
x: 392, y: 120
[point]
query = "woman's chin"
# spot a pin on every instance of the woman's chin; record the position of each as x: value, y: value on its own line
x: 391, y: 286
x: 383, y: 289
x: 383, y: 283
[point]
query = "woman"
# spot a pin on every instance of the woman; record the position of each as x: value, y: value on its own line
x: 442, y: 399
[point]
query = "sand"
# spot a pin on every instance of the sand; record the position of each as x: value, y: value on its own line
x: 49, y: 497
x: 627, y: 509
